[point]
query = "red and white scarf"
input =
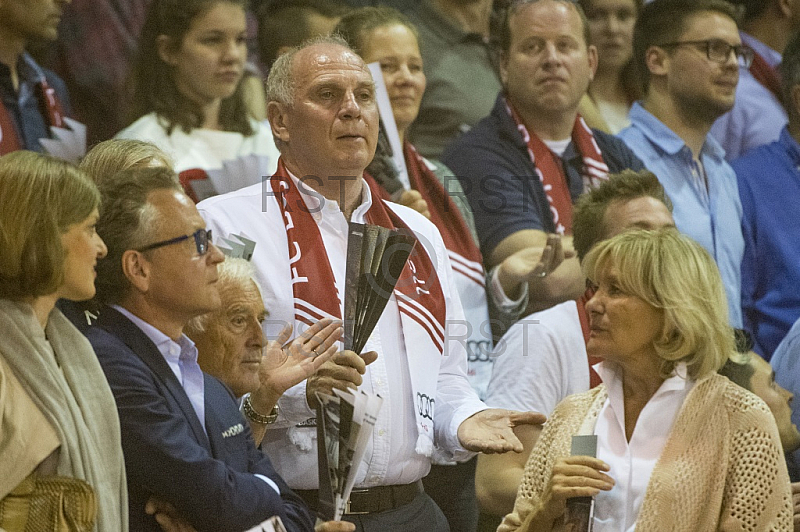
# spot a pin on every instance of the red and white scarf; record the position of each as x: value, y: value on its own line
x: 465, y: 260
x: 550, y: 169
x: 419, y: 295
x: 464, y: 252
x: 51, y: 106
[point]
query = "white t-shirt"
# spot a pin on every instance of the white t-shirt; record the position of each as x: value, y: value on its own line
x: 615, y: 115
x: 207, y: 149
x: 539, y: 361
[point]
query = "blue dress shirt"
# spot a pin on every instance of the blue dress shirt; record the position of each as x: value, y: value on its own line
x: 786, y: 364
x: 769, y: 185
x: 705, y: 196
x: 182, y: 359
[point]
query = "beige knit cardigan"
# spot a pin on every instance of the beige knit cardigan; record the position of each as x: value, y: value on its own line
x: 722, y: 467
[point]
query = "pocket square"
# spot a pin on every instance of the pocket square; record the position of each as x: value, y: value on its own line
x: 233, y: 431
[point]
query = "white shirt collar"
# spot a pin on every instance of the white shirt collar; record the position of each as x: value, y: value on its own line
x: 168, y: 348
x: 317, y: 204
x: 611, y: 375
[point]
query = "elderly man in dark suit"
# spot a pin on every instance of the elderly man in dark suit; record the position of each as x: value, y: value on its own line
x: 189, y: 454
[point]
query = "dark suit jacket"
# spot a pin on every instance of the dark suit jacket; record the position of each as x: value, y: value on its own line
x: 209, y: 479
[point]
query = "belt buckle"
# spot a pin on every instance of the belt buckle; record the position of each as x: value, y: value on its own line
x: 348, y: 511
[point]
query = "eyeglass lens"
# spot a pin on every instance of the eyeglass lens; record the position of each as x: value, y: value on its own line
x: 720, y: 51
x: 202, y: 238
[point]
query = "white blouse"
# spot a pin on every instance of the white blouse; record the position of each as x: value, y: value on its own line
x: 631, y: 463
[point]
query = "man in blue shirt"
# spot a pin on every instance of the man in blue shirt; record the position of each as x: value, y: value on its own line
x: 786, y: 364
x: 769, y: 185
x: 31, y: 99
x: 688, y: 54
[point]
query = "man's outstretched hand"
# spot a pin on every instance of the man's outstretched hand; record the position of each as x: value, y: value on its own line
x: 492, y: 430
x: 334, y: 526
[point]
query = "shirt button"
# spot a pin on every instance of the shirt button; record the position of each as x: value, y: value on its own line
x: 381, y: 432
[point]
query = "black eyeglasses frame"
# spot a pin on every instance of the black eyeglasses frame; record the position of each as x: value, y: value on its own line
x: 202, y: 242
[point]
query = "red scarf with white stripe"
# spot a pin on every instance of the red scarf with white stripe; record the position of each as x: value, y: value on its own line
x: 418, y: 291
x: 51, y: 109
x: 464, y: 253
x: 550, y: 169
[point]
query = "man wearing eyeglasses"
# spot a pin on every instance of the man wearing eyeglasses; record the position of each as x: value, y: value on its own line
x: 759, y: 115
x: 189, y: 455
x: 687, y: 54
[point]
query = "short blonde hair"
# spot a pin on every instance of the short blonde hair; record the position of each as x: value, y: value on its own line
x: 113, y: 156
x: 42, y: 196
x: 672, y: 272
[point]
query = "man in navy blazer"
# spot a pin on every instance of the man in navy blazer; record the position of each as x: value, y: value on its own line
x: 189, y: 453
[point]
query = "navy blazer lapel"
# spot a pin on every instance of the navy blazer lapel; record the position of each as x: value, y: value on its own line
x: 213, y: 427
x: 120, y: 326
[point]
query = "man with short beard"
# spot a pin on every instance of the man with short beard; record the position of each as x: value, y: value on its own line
x: 688, y: 53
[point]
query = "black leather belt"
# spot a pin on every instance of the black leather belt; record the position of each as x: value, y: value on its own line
x: 371, y: 500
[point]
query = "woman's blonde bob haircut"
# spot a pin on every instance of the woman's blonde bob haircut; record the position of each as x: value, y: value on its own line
x: 42, y: 196
x: 672, y: 272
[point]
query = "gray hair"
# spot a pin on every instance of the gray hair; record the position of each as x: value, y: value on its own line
x: 127, y: 221
x: 280, y: 82
x: 231, y: 272
x: 113, y: 156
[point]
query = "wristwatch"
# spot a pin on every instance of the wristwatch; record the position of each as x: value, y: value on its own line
x: 252, y: 415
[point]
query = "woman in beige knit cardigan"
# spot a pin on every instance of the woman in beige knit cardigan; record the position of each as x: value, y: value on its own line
x: 679, y: 447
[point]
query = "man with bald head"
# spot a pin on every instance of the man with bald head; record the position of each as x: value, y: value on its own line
x: 322, y: 109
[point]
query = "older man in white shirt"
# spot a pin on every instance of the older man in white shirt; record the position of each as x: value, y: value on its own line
x: 325, y: 122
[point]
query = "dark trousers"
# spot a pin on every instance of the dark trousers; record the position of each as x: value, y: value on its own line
x: 453, y: 489
x: 421, y: 514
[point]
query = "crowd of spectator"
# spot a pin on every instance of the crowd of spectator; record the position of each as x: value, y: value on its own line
x: 600, y: 195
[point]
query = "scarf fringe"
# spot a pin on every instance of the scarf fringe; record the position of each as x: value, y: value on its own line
x: 424, y: 446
